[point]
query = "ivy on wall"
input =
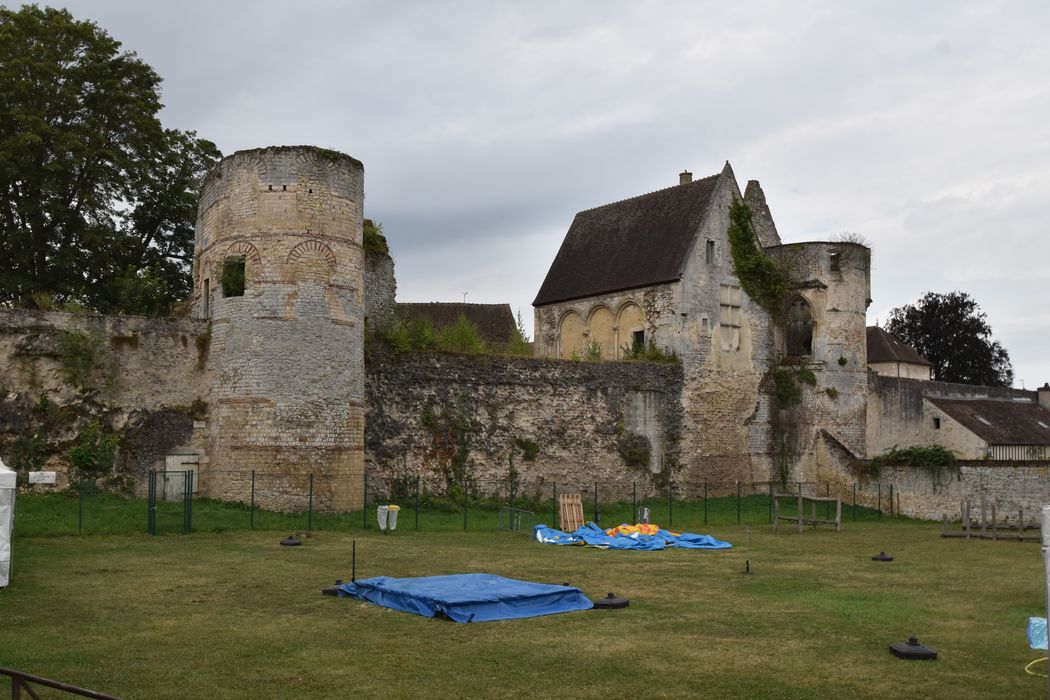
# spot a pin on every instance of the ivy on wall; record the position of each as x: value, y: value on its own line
x: 762, y: 279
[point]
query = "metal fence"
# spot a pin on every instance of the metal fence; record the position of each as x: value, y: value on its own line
x: 176, y: 502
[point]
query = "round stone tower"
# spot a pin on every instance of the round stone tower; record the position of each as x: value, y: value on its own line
x: 278, y: 272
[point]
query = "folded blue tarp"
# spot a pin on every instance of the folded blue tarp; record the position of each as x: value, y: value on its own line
x: 1037, y: 632
x: 592, y: 535
x: 468, y: 597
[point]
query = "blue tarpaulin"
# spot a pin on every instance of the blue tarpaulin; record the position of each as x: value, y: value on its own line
x: 468, y: 597
x: 1037, y: 632
x: 592, y: 535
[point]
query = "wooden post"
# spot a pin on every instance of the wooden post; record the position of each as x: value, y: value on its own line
x: 993, y: 523
x: 966, y: 518
x: 984, y: 507
x: 813, y: 512
x: 838, y: 514
x: 800, y: 511
x: 944, y: 519
x: 1020, y: 523
x: 776, y: 510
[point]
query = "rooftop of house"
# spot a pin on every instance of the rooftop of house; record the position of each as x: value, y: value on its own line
x: 495, y: 322
x: 1000, y: 422
x: 883, y: 347
x: 636, y: 242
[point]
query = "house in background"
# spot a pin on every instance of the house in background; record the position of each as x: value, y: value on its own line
x: 890, y: 357
x: 996, y: 429
x: 495, y: 322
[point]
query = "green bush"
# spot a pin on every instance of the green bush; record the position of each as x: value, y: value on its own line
x: 373, y: 240
x: 650, y: 353
x: 95, y: 452
x: 86, y: 361
x: 462, y: 336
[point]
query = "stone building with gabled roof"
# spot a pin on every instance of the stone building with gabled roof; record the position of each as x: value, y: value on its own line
x: 657, y: 271
x: 890, y: 357
x: 989, y: 428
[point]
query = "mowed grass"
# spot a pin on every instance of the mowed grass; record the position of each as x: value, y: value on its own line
x: 233, y: 614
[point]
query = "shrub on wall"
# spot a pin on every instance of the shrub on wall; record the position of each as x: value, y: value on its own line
x: 94, y: 454
x: 86, y: 361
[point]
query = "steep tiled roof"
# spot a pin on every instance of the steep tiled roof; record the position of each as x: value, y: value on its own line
x: 1000, y: 422
x: 883, y: 347
x: 494, y: 321
x: 632, y: 243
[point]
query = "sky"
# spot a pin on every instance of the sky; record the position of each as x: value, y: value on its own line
x: 485, y: 126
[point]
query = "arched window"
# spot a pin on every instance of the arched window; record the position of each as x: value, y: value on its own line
x: 799, y: 340
x: 570, y: 336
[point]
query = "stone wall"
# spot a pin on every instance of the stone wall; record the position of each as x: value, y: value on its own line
x: 439, y: 415
x: 380, y: 289
x: 920, y: 493
x: 145, y: 379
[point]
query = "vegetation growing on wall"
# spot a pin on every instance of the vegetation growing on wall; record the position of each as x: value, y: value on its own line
x: 203, y: 343
x: 451, y: 436
x: 372, y: 239
x: 86, y: 361
x: 649, y: 353
x: 636, y: 450
x: 94, y: 454
x: 933, y: 458
x: 762, y: 280
x: 463, y: 336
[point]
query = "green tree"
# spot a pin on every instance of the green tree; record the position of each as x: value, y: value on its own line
x: 97, y: 199
x: 952, y: 332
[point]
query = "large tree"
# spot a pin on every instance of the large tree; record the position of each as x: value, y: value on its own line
x: 952, y: 332
x: 97, y: 199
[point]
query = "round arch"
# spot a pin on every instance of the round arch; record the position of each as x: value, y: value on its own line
x: 570, y: 335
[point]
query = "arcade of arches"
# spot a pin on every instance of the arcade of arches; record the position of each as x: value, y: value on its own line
x: 612, y: 334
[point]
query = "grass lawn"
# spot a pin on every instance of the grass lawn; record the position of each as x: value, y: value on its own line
x: 232, y: 614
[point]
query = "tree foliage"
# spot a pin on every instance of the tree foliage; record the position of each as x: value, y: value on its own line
x: 952, y: 332
x: 97, y: 199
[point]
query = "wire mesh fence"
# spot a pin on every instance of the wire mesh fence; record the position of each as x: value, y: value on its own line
x: 234, y: 500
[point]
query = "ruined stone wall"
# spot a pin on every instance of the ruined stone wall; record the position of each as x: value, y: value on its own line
x: 380, y: 289
x: 435, y: 414
x: 141, y: 378
x: 286, y: 355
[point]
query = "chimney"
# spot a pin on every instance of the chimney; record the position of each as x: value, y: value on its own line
x: 685, y: 177
x: 1044, y: 395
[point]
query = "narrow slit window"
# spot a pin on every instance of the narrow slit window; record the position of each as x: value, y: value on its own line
x: 836, y: 262
x: 207, y: 297
x: 936, y: 423
x: 638, y: 341
x: 710, y: 252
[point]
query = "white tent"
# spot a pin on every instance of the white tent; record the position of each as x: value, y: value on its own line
x: 7, y: 516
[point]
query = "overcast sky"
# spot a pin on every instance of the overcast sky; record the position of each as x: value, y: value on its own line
x: 484, y: 126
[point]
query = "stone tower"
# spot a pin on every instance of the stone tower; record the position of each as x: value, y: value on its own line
x: 278, y: 272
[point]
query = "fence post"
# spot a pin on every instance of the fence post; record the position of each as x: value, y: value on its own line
x: 595, y: 501
x: 670, y: 503
x: 251, y: 511
x: 770, y: 500
x: 465, y: 505
x: 554, y: 505
x: 634, y: 499
x: 417, y: 501
x: 705, y: 502
x: 151, y: 504
x: 891, y: 500
x: 880, y: 499
x: 364, y: 500
x: 738, y: 502
x: 854, y: 500
x: 80, y: 508
x: 827, y: 504
x: 187, y: 502
x: 310, y: 505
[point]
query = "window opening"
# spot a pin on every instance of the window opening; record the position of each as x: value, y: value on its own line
x: 638, y: 341
x: 836, y: 262
x: 233, y: 277
x: 799, y: 341
x: 710, y: 252
x: 729, y: 320
x: 207, y: 297
x: 936, y: 423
